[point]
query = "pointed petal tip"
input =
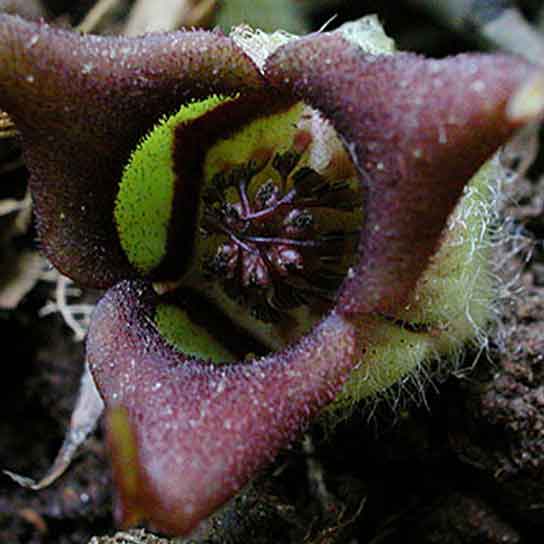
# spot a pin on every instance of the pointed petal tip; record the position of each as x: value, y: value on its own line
x: 527, y: 102
x: 407, y: 121
x: 125, y: 466
x: 136, y: 500
x: 176, y: 442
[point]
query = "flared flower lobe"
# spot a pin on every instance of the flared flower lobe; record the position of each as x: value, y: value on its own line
x: 201, y: 431
x: 82, y: 103
x: 417, y: 130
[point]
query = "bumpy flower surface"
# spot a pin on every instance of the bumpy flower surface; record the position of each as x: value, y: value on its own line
x: 278, y: 211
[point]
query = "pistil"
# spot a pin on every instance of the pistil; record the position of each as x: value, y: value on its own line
x: 272, y: 245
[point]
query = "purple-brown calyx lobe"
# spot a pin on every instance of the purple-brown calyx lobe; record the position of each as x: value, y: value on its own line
x: 186, y: 435
x: 414, y: 127
x: 82, y: 104
x: 202, y: 431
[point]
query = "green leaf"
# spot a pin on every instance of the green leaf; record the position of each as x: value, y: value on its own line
x: 144, y: 202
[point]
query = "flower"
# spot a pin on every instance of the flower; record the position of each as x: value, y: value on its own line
x: 187, y: 434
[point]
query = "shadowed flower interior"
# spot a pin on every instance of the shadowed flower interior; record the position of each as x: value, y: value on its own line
x: 286, y: 207
x: 268, y: 232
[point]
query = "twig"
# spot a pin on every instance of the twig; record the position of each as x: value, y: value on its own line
x: 201, y: 14
x: 497, y: 23
x: 513, y: 33
x: 76, y: 316
x: 29, y: 9
x: 11, y: 205
x: 7, y: 126
x: 97, y: 14
x: 88, y: 409
x: 163, y: 15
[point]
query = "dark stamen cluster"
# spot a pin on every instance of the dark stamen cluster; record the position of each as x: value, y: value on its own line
x: 274, y: 255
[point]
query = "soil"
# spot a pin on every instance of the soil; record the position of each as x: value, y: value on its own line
x: 465, y: 466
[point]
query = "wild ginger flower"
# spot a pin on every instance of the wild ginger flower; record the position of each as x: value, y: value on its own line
x: 223, y: 229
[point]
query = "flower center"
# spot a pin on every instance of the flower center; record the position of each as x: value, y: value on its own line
x: 275, y: 247
x: 246, y: 209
